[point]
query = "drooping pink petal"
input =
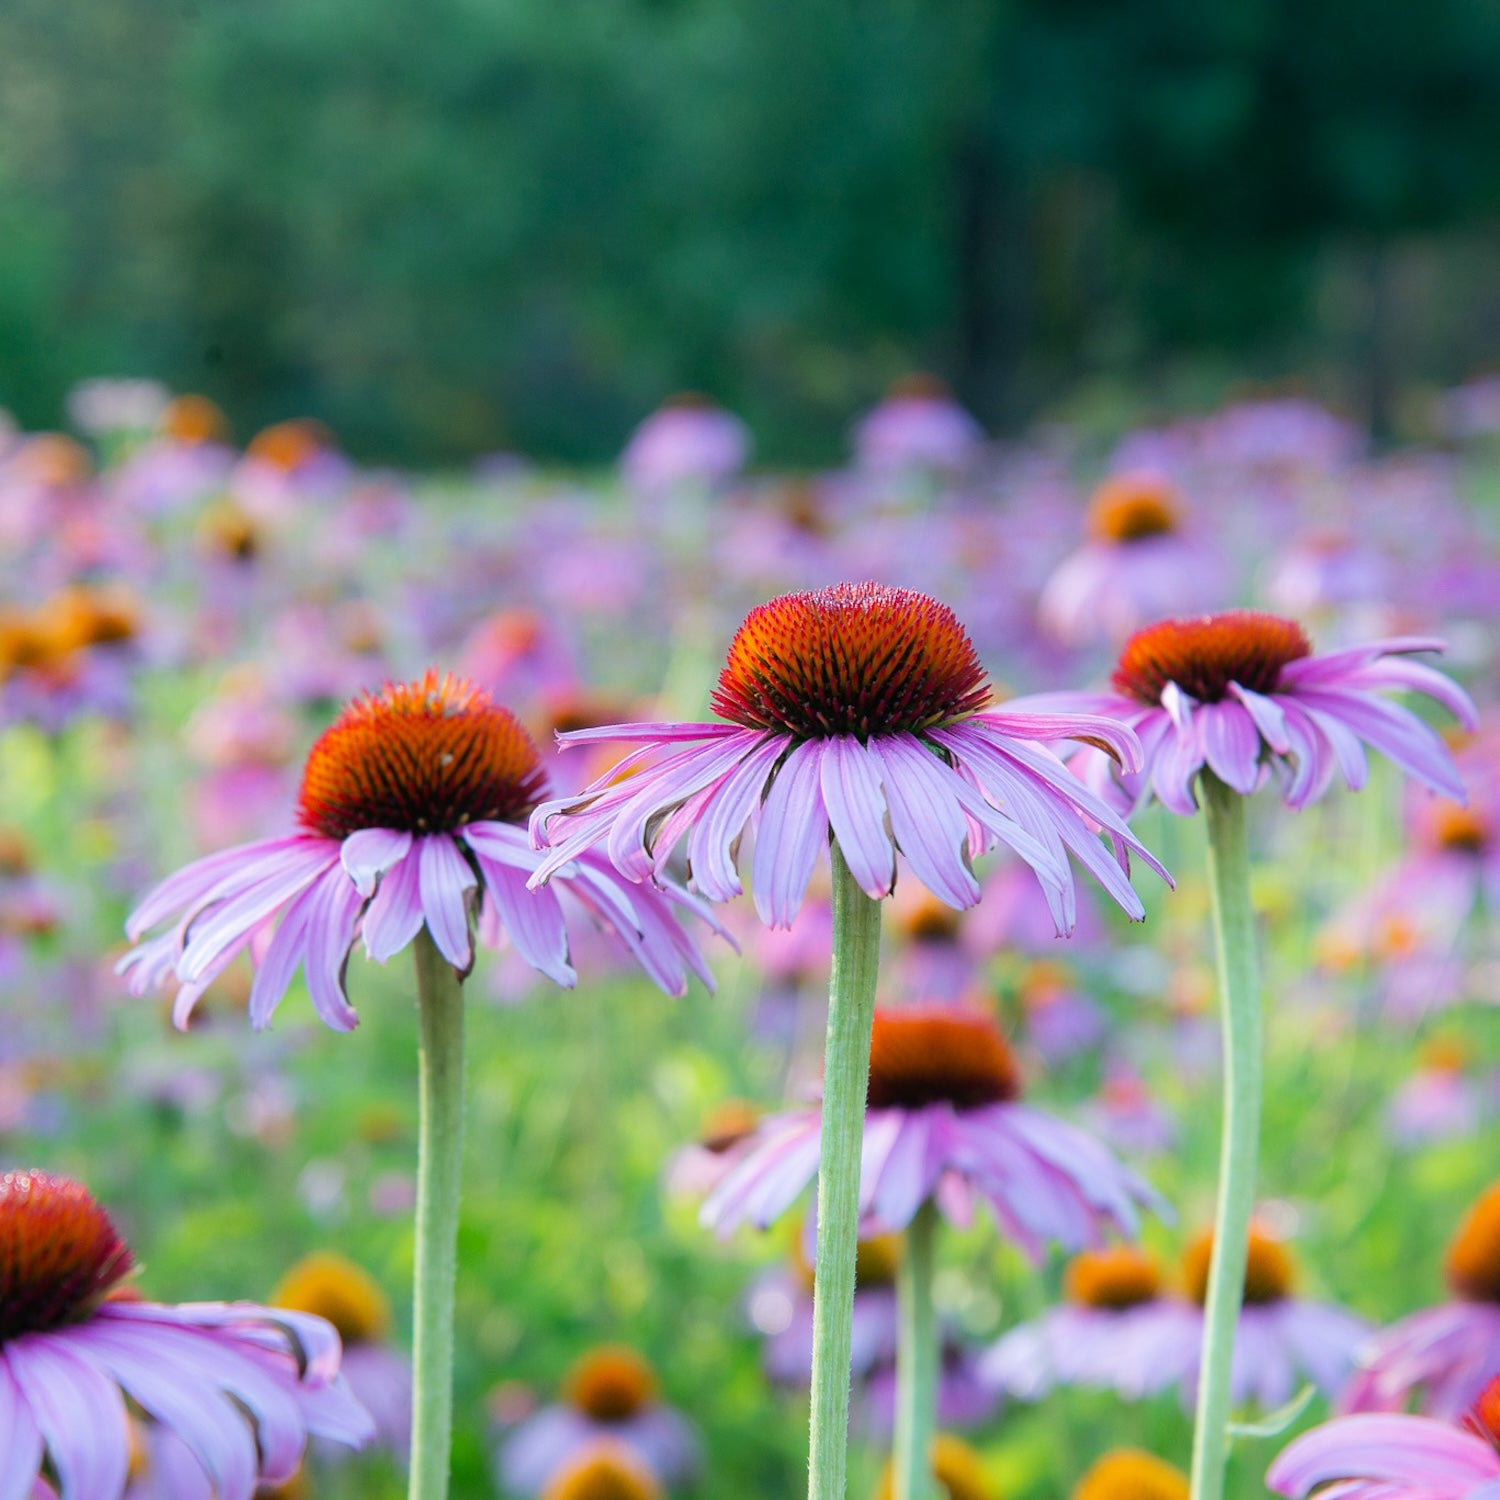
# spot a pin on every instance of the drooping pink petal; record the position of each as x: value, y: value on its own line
x: 79, y: 1412
x: 713, y: 842
x: 856, y: 810
x: 533, y: 920
x: 927, y: 820
x: 444, y: 881
x: 394, y: 916
x: 1231, y: 744
x: 793, y: 828
x: 191, y: 885
x: 1430, y: 1457
x: 331, y: 923
x: 20, y: 1439
x: 369, y: 852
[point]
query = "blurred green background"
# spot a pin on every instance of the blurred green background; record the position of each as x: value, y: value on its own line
x: 463, y: 225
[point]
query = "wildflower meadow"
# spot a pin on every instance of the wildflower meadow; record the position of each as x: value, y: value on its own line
x: 967, y: 974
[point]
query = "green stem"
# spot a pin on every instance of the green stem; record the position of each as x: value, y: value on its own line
x: 846, y: 1080
x: 440, y: 1017
x: 1239, y: 1001
x: 916, y: 1359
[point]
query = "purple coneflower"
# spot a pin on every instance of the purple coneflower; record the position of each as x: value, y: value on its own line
x: 957, y: 1472
x: 1121, y: 1330
x: 1130, y: 1474
x: 413, y: 808
x: 610, y: 1395
x: 919, y: 425
x: 857, y: 709
x: 1445, y: 1354
x: 1231, y: 692
x: 943, y: 1123
x: 344, y: 1294
x: 1136, y: 565
x: 1396, y: 1457
x: 686, y: 441
x: 241, y: 1386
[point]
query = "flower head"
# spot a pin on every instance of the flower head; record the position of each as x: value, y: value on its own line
x: 1397, y: 1457
x: 1242, y: 692
x: 956, y: 1467
x: 241, y: 1387
x: 944, y: 1122
x: 610, y: 1396
x: 1446, y: 1353
x: 1122, y: 1329
x: 412, y: 808
x: 856, y: 710
x: 1130, y: 1474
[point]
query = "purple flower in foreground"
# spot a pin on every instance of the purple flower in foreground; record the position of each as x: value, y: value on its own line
x: 1235, y: 692
x: 611, y: 1396
x: 856, y: 710
x: 242, y: 1387
x: 943, y: 1122
x: 1447, y: 1353
x: 412, y: 809
x: 1396, y: 1458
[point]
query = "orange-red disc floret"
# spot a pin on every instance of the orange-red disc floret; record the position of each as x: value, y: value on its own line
x: 59, y: 1253
x: 611, y: 1383
x: 1474, y: 1252
x: 856, y: 659
x: 1269, y: 1268
x: 935, y: 1054
x: 1115, y: 1278
x: 1204, y: 655
x: 420, y: 757
x: 1131, y: 507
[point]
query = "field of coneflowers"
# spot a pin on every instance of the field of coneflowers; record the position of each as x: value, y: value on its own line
x: 184, y: 618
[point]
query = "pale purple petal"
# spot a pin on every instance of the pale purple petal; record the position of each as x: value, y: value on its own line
x: 708, y: 730
x: 20, y: 1439
x: 1418, y: 677
x: 856, y: 810
x: 927, y: 819
x: 368, y: 853
x: 197, y: 882
x: 533, y: 920
x: 713, y: 843
x: 444, y: 883
x: 283, y: 876
x: 769, y: 1179
x: 331, y: 922
x: 78, y: 1410
x: 1396, y: 732
x: 273, y: 974
x: 1404, y: 1450
x: 1231, y: 744
x: 394, y: 916
x: 1109, y: 726
x: 1268, y: 716
x: 793, y: 828
x: 907, y: 1174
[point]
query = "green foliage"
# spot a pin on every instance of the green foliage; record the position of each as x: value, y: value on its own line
x: 468, y: 226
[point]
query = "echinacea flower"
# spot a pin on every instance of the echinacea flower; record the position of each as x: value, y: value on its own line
x: 1237, y: 692
x: 943, y: 1122
x: 333, y: 1288
x: 1141, y: 1339
x: 604, y: 1470
x: 919, y: 425
x: 781, y: 1307
x: 1396, y: 1457
x: 1130, y: 1474
x: 413, y: 808
x: 856, y: 711
x: 686, y: 441
x: 1136, y: 564
x: 1443, y: 1354
x: 1087, y: 1339
x: 610, y: 1395
x: 242, y: 1387
x: 957, y: 1471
